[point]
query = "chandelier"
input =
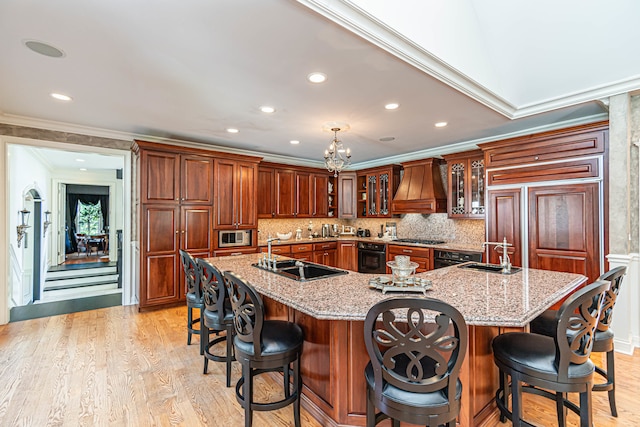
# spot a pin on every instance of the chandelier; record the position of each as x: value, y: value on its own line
x: 336, y: 157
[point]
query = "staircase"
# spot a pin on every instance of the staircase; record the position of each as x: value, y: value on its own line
x: 79, y: 281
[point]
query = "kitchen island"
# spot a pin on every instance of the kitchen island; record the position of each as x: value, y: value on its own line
x: 331, y: 313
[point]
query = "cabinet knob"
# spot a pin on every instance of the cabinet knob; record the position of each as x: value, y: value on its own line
x: 536, y: 158
x: 183, y: 199
x: 177, y: 231
x: 182, y: 231
x: 177, y: 199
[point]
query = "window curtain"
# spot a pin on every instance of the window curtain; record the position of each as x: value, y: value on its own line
x: 72, y: 208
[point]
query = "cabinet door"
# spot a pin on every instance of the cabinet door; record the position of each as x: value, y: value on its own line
x: 266, y: 193
x: 245, y: 196
x: 285, y: 193
x: 159, y: 281
x: 320, y: 190
x: 327, y: 257
x: 304, y: 195
x: 563, y: 229
x: 384, y: 194
x: 195, y: 228
x: 347, y: 196
x: 348, y: 256
x: 225, y: 193
x: 197, y: 179
x: 503, y: 220
x: 372, y: 195
x: 160, y: 176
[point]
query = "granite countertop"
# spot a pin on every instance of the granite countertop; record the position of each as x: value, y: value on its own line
x: 447, y: 246
x: 486, y: 299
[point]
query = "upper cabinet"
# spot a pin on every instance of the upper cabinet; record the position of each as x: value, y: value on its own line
x: 465, y: 197
x: 347, y: 194
x: 376, y: 188
x: 235, y: 190
x: 176, y: 178
x: 292, y: 192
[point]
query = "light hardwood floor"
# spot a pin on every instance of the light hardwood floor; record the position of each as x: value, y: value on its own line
x: 118, y: 367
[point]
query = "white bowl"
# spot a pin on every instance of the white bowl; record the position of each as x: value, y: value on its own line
x: 285, y: 236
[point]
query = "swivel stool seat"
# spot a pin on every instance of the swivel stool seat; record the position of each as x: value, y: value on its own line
x: 263, y: 346
x: 545, y: 324
x: 217, y: 316
x: 193, y: 297
x: 559, y: 363
x: 413, y: 375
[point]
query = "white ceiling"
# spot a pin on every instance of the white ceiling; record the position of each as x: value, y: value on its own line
x: 187, y: 71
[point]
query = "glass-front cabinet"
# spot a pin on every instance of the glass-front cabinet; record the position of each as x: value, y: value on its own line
x: 465, y: 198
x: 376, y: 188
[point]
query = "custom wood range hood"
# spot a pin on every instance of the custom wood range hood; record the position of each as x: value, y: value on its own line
x: 420, y: 190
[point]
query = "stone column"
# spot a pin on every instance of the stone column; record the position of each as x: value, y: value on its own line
x: 624, y: 214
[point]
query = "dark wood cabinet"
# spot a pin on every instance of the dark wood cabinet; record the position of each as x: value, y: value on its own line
x: 465, y: 198
x: 348, y: 255
x: 176, y: 203
x: 347, y: 195
x: 266, y: 198
x: 302, y: 251
x: 176, y: 178
x: 326, y: 253
x: 235, y: 189
x: 503, y: 220
x: 556, y: 176
x: 563, y: 229
x: 376, y: 188
x: 168, y: 229
x: 422, y: 256
x: 294, y: 192
x: 321, y: 196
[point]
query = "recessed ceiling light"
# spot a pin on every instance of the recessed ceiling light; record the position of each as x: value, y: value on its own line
x: 387, y: 139
x: 79, y: 160
x: 294, y: 142
x: 317, y: 77
x: 392, y: 106
x: 44, y: 49
x: 61, y: 97
x: 83, y: 169
x: 232, y: 130
x: 267, y: 109
x: 440, y: 124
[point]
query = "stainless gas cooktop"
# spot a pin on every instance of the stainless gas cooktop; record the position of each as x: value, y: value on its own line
x: 421, y: 241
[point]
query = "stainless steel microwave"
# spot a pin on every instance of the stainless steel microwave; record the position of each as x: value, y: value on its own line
x: 228, y: 239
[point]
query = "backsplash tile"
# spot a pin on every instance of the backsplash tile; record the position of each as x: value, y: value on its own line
x: 432, y: 226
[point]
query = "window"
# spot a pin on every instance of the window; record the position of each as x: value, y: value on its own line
x: 89, y: 219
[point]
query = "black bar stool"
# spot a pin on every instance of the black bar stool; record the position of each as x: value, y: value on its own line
x: 414, y: 367
x: 545, y: 324
x: 217, y: 316
x: 560, y: 363
x: 263, y: 346
x: 194, y: 297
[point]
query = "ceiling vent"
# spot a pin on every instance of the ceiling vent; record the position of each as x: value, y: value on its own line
x: 420, y: 190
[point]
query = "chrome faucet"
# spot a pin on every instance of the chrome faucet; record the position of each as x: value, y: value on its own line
x: 505, y: 261
x: 300, y: 266
x: 269, y: 259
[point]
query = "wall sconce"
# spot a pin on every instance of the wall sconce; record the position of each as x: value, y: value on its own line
x: 47, y: 221
x: 24, y: 221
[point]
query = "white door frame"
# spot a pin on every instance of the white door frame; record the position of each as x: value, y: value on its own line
x: 128, y: 291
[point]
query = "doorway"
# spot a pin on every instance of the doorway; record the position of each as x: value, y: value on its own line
x: 49, y: 167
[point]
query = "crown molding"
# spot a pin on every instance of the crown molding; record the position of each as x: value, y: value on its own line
x: 361, y: 23
x: 473, y: 144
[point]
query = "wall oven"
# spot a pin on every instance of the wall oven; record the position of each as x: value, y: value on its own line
x: 372, y: 258
x: 234, y: 238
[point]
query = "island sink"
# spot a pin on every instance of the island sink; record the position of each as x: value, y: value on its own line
x: 489, y: 268
x: 304, y: 271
